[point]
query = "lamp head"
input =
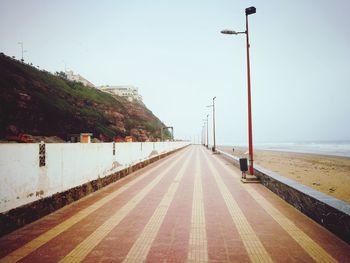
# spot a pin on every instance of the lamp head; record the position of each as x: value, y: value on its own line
x: 250, y: 10
x: 228, y: 32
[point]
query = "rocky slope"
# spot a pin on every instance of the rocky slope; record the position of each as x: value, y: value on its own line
x: 42, y: 104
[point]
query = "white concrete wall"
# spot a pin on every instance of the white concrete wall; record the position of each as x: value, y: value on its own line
x: 67, y: 165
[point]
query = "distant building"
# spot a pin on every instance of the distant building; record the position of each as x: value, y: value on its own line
x: 76, y: 77
x: 129, y: 92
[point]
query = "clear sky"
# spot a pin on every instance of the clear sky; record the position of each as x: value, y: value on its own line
x: 174, y: 53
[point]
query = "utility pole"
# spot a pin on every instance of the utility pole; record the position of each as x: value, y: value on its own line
x: 22, y: 51
x: 65, y: 66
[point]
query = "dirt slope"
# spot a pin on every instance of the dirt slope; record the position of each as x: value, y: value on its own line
x: 42, y: 104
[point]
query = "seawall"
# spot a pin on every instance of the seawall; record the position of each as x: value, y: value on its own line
x: 37, y: 179
x: 326, y: 210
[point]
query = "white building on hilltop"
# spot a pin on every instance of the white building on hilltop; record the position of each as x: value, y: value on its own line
x: 76, y: 77
x: 129, y: 92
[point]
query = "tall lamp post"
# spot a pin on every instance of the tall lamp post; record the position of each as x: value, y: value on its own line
x: 207, y: 131
x: 214, y: 140
x: 203, y: 138
x: 248, y: 11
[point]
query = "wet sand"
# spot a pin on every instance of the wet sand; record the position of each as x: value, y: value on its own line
x: 327, y: 174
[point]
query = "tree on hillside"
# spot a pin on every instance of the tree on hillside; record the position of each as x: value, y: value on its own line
x: 61, y: 74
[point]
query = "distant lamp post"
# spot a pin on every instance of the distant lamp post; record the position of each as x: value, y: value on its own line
x: 161, y: 132
x: 214, y: 140
x: 206, y: 131
x: 203, y: 135
x: 248, y: 11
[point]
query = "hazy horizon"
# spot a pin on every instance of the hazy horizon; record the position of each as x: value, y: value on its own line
x: 174, y: 53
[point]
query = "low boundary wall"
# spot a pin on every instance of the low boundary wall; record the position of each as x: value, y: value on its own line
x: 36, y: 180
x: 326, y: 210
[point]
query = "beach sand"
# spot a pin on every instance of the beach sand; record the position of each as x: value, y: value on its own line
x: 327, y: 174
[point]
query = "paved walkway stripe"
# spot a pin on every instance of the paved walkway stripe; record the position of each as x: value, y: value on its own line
x: 309, y: 245
x: 39, y: 241
x: 140, y: 249
x: 252, y: 243
x: 198, y: 248
x: 86, y: 246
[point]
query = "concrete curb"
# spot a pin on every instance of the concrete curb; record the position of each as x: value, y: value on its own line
x: 326, y: 210
x: 23, y: 215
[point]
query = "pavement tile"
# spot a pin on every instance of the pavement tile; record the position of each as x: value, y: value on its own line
x: 171, y: 242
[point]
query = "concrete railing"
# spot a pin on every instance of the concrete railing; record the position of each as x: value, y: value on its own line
x: 28, y: 175
x: 326, y: 210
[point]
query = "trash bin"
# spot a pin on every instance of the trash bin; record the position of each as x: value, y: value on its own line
x: 243, y: 164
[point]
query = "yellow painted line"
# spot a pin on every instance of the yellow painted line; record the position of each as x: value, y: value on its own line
x: 86, y: 246
x: 309, y: 245
x: 198, y: 248
x: 140, y: 249
x: 251, y: 241
x: 31, y: 246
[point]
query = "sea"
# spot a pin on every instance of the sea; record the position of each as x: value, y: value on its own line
x: 334, y: 148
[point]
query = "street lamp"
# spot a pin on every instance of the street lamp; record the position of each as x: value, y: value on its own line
x: 172, y: 132
x: 207, y: 131
x: 248, y: 11
x: 213, y: 106
x: 203, y: 138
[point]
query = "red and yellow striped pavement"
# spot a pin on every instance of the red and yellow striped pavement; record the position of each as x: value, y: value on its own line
x: 187, y: 207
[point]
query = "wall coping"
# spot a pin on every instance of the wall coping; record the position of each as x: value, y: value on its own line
x: 20, y: 216
x: 327, y: 199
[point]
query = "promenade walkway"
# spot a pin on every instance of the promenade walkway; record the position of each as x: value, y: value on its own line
x: 187, y: 207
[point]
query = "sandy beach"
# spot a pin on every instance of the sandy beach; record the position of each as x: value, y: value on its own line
x: 327, y: 174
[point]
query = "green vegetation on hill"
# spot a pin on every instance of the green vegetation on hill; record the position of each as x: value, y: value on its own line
x: 39, y: 103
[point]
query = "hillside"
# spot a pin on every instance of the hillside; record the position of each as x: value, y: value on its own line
x: 39, y: 103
